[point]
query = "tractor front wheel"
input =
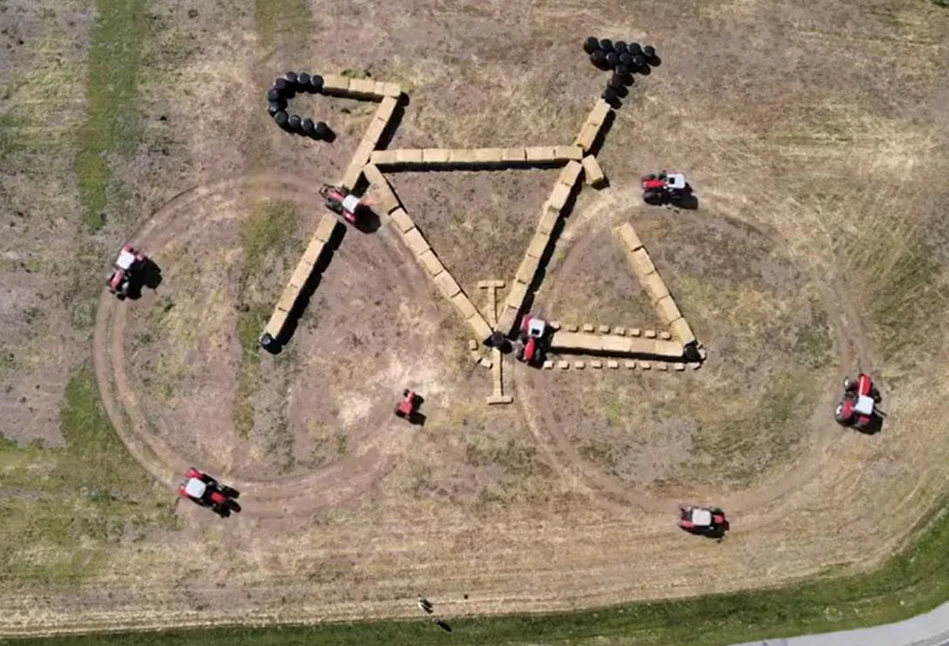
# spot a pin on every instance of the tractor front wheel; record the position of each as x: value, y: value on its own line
x: 839, y: 416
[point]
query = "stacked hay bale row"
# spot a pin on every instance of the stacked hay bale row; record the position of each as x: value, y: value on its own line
x: 541, y: 242
x: 655, y: 287
x: 388, y: 205
x: 474, y: 157
x: 298, y: 281
x: 370, y: 140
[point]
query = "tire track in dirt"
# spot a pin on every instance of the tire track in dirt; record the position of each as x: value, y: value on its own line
x: 267, y: 497
x: 850, y: 339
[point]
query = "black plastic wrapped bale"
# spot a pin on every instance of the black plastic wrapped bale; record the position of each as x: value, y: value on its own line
x: 273, y: 94
x: 609, y: 95
x: 619, y: 47
x: 294, y: 122
x: 612, y: 59
x: 598, y: 58
x: 316, y: 82
x: 591, y: 44
x: 625, y: 59
x: 303, y: 82
x: 606, y: 44
x: 634, y: 48
x: 639, y: 61
x: 281, y: 85
x: 281, y: 118
x: 291, y: 78
x: 308, y: 127
x: 622, y: 70
x: 320, y: 130
x: 617, y: 81
x: 273, y: 107
x: 649, y: 51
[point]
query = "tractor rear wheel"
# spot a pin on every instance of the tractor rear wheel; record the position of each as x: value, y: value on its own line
x: 652, y: 197
x: 849, y: 384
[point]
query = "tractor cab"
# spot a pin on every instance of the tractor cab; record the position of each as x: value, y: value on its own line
x: 665, y: 187
x: 195, y: 489
x: 532, y: 339
x: 126, y: 268
x: 857, y: 407
x: 343, y: 203
x: 709, y: 521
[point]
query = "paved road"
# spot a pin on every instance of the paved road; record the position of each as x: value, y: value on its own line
x: 930, y: 629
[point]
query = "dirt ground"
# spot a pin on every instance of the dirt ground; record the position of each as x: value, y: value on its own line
x: 808, y: 131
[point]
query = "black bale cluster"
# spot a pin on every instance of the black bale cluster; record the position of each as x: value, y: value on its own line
x: 285, y: 88
x: 623, y: 59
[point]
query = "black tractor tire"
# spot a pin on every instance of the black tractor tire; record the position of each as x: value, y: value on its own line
x: 639, y: 61
x: 612, y: 59
x: 849, y: 385
x: 303, y: 82
x: 591, y: 44
x: 294, y: 122
x: 652, y: 197
x: 291, y: 78
x: 606, y: 44
x: 274, y: 107
x: 308, y: 127
x: 598, y: 58
x: 875, y: 395
x: 316, y: 82
x: 230, y: 492
x: 634, y: 48
x: 619, y: 47
x: 648, y: 177
x: 839, y: 417
x: 320, y: 129
x: 281, y: 118
x: 273, y: 94
x: 649, y: 51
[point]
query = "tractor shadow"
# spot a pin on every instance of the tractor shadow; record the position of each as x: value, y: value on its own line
x: 689, y: 201
x: 306, y: 294
x: 368, y: 220
x: 149, y: 276
x: 874, y: 427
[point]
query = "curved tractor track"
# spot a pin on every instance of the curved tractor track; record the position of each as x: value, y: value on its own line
x: 264, y: 497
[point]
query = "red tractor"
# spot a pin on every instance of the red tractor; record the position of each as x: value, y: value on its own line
x: 208, y: 492
x: 127, y: 271
x: 858, y: 406
x: 408, y: 408
x: 343, y: 203
x: 665, y: 188
x: 531, y: 344
x: 706, y: 521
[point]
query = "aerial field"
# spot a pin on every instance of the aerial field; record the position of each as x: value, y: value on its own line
x: 814, y: 135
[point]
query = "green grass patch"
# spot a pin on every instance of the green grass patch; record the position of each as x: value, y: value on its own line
x: 287, y: 20
x: 111, y: 124
x: 267, y: 234
x: 69, y: 504
x: 9, y: 143
x: 812, y: 343
x: 909, y: 583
